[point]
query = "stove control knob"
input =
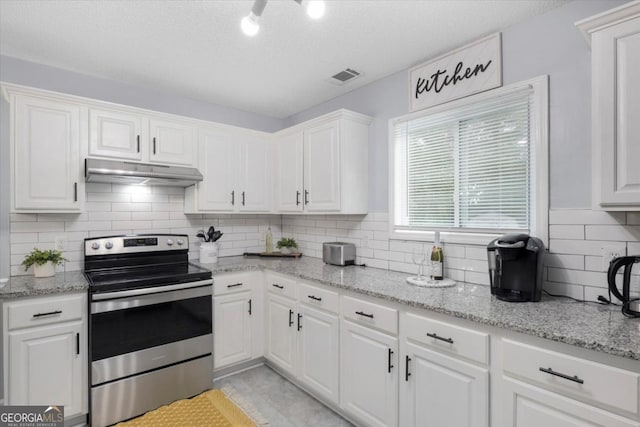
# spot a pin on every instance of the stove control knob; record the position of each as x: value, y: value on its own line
x: 108, y: 245
x: 170, y: 242
x: 180, y: 242
x: 95, y: 246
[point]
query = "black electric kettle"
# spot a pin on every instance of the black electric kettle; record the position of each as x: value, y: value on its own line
x: 630, y: 305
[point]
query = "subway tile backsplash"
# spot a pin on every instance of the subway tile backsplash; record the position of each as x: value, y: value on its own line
x: 573, y: 266
x: 117, y: 209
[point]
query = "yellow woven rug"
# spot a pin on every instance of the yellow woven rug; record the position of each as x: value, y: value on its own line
x: 214, y: 408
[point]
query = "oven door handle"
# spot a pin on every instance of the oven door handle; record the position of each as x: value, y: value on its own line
x: 148, y: 291
x: 150, y: 299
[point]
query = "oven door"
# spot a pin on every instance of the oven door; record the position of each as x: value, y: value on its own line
x: 145, y: 329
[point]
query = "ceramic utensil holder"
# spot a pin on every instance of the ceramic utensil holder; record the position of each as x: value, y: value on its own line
x: 208, y: 252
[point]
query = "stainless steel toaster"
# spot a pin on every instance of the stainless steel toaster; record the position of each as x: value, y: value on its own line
x: 339, y: 253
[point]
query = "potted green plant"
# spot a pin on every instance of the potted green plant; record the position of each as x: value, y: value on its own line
x: 43, y: 262
x: 287, y: 245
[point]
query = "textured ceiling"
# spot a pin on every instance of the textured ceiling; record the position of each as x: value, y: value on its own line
x: 196, y: 48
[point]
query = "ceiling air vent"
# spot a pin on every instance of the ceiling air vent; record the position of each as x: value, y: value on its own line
x: 344, y: 76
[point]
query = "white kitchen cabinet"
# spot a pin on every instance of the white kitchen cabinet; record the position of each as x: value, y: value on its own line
x: 232, y: 342
x: 237, y: 318
x: 615, y: 113
x: 45, y: 154
x: 116, y: 134
x: 437, y: 390
x: 45, y: 352
x: 322, y: 165
x: 236, y: 166
x: 318, y: 352
x: 172, y: 142
x: 289, y: 185
x: 525, y: 405
x: 369, y: 374
x: 281, y: 331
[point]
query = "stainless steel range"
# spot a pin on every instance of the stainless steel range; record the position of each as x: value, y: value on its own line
x: 150, y: 324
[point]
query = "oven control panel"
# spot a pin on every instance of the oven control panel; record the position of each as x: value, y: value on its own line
x: 135, y: 243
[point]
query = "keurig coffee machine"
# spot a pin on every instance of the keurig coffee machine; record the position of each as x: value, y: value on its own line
x: 515, y: 267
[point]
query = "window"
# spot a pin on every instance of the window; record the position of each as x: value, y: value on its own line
x: 473, y: 168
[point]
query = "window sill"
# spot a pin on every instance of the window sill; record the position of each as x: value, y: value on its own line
x: 445, y: 237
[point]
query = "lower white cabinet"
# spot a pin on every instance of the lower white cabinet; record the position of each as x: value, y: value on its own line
x: 318, y: 352
x: 438, y: 390
x: 369, y: 380
x: 281, y: 330
x: 232, y: 317
x: 45, y: 350
x: 237, y: 318
x: 525, y: 405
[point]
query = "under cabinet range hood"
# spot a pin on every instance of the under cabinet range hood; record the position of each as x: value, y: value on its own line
x: 121, y: 172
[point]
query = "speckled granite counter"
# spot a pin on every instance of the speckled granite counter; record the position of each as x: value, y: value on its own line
x: 26, y: 286
x: 592, y: 326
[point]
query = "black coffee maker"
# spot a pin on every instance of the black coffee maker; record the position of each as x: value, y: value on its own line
x: 515, y: 267
x: 630, y: 303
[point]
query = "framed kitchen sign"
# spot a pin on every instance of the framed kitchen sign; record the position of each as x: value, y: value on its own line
x: 470, y: 69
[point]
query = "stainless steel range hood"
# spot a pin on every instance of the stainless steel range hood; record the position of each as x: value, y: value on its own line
x: 121, y: 172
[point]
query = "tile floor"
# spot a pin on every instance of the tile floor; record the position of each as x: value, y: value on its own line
x: 279, y: 401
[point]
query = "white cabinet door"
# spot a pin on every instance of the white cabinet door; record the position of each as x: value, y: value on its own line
x: 46, y: 155
x: 529, y: 406
x: 322, y: 168
x: 615, y: 110
x: 280, y: 346
x: 437, y: 390
x: 46, y: 367
x: 253, y: 189
x: 369, y: 375
x: 115, y: 134
x: 172, y: 143
x: 232, y: 337
x: 289, y: 174
x: 319, y: 356
x: 216, y: 162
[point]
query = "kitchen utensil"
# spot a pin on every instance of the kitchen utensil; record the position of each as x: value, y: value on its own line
x: 201, y: 235
x: 630, y: 304
x: 217, y: 235
x: 210, y: 233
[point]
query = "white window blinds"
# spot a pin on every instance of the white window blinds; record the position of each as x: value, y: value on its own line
x: 469, y: 168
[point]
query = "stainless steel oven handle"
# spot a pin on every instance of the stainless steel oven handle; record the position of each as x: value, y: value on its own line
x: 149, y: 299
x: 148, y: 291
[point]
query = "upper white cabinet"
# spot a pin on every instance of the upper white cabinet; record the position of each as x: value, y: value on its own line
x: 45, y: 154
x: 172, y: 142
x: 322, y: 165
x: 115, y: 134
x: 122, y: 134
x: 236, y: 166
x: 615, y: 61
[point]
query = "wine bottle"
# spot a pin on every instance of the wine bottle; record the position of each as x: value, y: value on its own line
x: 268, y: 240
x: 437, y: 258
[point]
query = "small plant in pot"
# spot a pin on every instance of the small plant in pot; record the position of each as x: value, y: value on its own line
x: 43, y: 262
x: 287, y: 245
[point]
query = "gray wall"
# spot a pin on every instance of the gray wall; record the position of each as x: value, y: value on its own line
x: 547, y: 44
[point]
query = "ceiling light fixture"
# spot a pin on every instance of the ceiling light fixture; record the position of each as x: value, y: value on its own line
x: 250, y: 25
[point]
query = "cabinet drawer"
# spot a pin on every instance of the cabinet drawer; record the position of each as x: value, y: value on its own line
x: 370, y: 314
x: 463, y: 342
x: 281, y: 285
x: 319, y: 297
x: 234, y: 282
x: 569, y: 375
x: 45, y: 310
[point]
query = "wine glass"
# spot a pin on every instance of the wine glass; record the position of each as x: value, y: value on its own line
x: 418, y: 257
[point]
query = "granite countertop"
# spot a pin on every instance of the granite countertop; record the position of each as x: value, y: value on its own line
x: 592, y: 326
